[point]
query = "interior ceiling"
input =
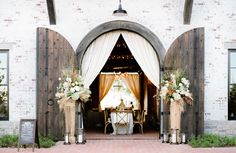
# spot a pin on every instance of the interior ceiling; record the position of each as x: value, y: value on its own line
x: 121, y: 59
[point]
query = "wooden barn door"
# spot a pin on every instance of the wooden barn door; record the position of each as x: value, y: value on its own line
x: 187, y: 53
x: 54, y: 53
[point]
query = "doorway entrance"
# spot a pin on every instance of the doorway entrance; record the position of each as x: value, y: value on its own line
x: 147, y: 55
x: 54, y: 53
x: 121, y: 77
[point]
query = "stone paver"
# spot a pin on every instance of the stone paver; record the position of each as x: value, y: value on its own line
x: 122, y: 146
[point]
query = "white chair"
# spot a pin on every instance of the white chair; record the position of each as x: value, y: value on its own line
x: 122, y: 121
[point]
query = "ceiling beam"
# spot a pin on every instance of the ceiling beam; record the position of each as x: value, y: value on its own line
x: 51, y: 12
x: 187, y: 11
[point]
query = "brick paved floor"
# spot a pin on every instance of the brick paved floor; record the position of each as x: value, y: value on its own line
x: 122, y: 146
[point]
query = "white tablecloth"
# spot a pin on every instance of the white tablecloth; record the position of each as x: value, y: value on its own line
x: 122, y: 130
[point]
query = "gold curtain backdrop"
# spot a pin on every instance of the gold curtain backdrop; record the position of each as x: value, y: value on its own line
x: 133, y: 83
x: 105, y: 84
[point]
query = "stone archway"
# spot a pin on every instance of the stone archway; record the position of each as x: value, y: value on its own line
x: 121, y: 25
x: 107, y: 27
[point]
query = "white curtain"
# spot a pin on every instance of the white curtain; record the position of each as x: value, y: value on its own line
x: 96, y: 56
x: 144, y: 54
x: 98, y: 52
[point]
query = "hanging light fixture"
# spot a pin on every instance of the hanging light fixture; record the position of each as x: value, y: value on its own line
x: 120, y: 11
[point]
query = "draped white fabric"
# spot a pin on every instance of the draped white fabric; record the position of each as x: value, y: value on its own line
x: 98, y: 53
x: 96, y: 56
x: 144, y: 54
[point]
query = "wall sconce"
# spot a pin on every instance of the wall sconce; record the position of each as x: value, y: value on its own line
x: 120, y: 11
x: 66, y: 139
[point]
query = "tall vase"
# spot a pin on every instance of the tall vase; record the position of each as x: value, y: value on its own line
x: 175, y: 118
x: 69, y: 110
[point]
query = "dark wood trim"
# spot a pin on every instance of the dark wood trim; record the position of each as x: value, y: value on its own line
x: 51, y: 12
x: 187, y: 11
x: 54, y: 53
x: 187, y: 53
x: 121, y: 25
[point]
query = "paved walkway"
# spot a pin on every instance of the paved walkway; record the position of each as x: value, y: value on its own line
x: 122, y: 146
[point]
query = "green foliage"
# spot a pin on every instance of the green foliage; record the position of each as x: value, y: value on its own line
x: 8, y: 141
x: 12, y: 141
x: 46, y: 142
x: 211, y: 140
x: 3, y: 98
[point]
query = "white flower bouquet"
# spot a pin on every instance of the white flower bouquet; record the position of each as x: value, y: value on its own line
x: 71, y: 86
x: 175, y: 87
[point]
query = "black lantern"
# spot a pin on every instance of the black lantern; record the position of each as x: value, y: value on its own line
x: 120, y: 11
x: 80, y: 138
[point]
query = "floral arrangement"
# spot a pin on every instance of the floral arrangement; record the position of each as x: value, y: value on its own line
x: 175, y: 87
x: 71, y: 86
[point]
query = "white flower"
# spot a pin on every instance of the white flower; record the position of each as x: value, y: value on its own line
x: 176, y: 96
x: 66, y: 85
x: 77, y: 88
x: 72, y: 90
x: 164, y: 91
x: 185, y: 82
x: 71, y: 86
x: 59, y: 95
x: 68, y: 79
x: 167, y: 84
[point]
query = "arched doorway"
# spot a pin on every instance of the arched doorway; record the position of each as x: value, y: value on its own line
x: 122, y: 27
x: 55, y: 53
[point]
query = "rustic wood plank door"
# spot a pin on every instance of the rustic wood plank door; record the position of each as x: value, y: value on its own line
x: 187, y: 53
x: 54, y: 53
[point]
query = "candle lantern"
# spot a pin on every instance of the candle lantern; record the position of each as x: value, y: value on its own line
x: 183, y: 138
x: 165, y: 137
x: 66, y: 139
x: 174, y: 136
x: 80, y: 138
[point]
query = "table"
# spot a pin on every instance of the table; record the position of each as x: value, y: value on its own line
x: 116, y: 116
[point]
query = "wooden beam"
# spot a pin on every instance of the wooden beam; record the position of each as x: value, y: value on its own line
x: 51, y: 12
x: 188, y: 11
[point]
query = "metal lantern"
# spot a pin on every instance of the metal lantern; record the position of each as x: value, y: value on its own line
x: 174, y: 136
x: 165, y: 137
x: 66, y: 139
x: 80, y: 138
x: 183, y: 138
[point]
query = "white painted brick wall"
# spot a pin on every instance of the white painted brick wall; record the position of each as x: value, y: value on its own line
x: 19, y: 20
